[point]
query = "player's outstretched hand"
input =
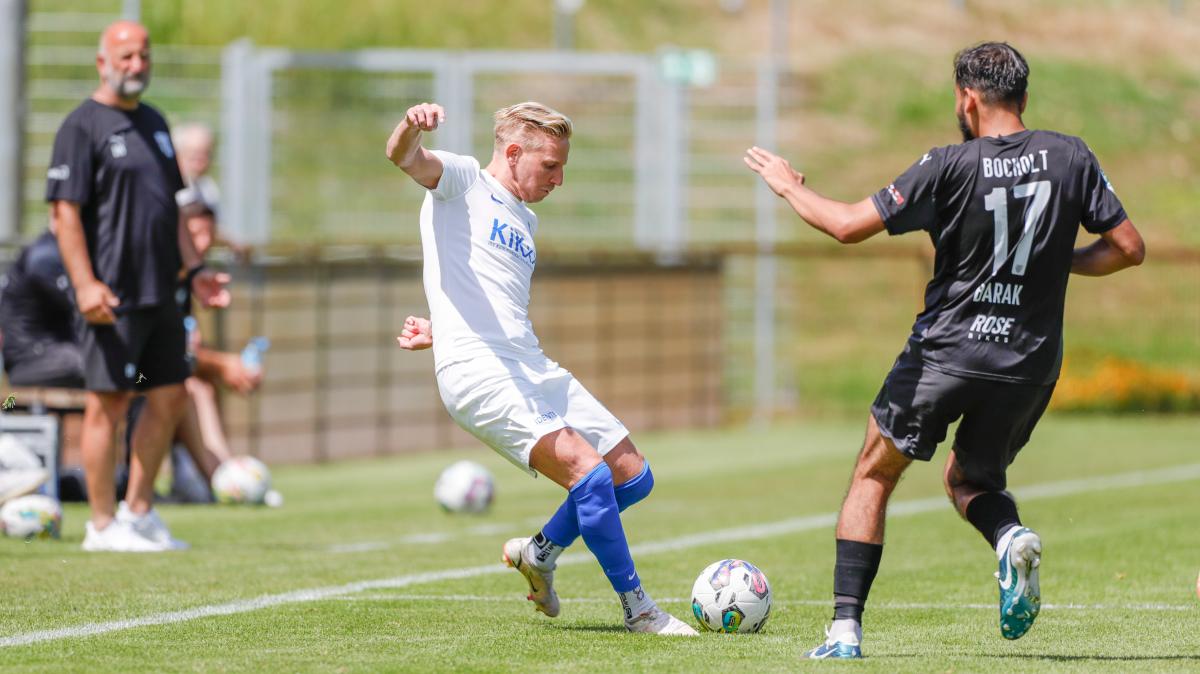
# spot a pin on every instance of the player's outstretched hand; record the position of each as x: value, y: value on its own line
x: 416, y: 335
x: 425, y: 116
x: 209, y: 287
x: 775, y: 170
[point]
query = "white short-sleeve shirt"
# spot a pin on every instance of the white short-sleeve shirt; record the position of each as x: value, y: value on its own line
x: 477, y: 240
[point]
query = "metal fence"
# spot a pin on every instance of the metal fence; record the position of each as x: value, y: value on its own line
x: 643, y: 337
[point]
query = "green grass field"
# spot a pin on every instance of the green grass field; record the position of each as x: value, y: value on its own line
x: 332, y: 577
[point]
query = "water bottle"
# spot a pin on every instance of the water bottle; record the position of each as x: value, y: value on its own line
x: 190, y: 326
x: 252, y: 355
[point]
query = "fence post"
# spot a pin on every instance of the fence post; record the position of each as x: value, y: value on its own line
x: 454, y: 89
x: 235, y: 140
x: 12, y: 117
x: 647, y: 184
x: 673, y: 148
x: 766, y: 227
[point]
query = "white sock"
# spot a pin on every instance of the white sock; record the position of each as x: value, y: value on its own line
x: 1002, y: 542
x: 635, y: 602
x: 846, y: 626
x: 543, y: 553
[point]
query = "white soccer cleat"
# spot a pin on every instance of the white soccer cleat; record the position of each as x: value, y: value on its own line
x: 658, y: 621
x: 19, y: 482
x: 151, y: 527
x: 1020, y: 592
x: 541, y: 581
x: 117, y: 537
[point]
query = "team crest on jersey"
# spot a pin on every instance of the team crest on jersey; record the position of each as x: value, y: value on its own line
x: 896, y: 196
x: 116, y: 146
x: 164, y: 143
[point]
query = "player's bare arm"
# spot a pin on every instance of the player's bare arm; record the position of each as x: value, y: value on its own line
x: 416, y: 335
x: 404, y: 146
x: 1119, y: 248
x: 848, y: 223
x: 207, y: 285
x: 94, y: 299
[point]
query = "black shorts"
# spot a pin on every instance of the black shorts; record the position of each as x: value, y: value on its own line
x: 918, y: 403
x: 144, y: 349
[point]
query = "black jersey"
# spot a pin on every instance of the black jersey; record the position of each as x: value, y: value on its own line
x: 36, y: 301
x: 119, y: 166
x: 1003, y: 213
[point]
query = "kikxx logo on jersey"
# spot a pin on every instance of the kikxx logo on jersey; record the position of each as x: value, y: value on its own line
x: 896, y: 196
x: 511, y: 239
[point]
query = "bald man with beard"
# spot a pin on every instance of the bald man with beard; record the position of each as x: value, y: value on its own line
x: 111, y: 188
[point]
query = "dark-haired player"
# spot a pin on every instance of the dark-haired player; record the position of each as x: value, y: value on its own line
x: 1002, y: 210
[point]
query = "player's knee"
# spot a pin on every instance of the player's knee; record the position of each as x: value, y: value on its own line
x: 565, y: 456
x: 637, y: 488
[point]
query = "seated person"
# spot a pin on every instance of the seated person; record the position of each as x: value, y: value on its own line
x: 37, y: 310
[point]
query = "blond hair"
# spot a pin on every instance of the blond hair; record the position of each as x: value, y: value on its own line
x: 518, y: 124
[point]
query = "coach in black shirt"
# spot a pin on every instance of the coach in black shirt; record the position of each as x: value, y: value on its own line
x: 1002, y: 210
x: 111, y: 186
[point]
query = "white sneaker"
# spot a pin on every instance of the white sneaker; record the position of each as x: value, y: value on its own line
x: 541, y: 582
x: 658, y: 621
x: 14, y: 483
x: 117, y: 537
x: 150, y: 526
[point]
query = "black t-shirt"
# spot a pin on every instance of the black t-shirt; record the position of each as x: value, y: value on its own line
x: 119, y: 166
x: 1003, y: 214
x: 36, y: 300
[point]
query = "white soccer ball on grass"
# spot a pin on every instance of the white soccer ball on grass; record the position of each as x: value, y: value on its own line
x: 242, y: 479
x: 33, y: 516
x: 731, y: 596
x: 465, y: 487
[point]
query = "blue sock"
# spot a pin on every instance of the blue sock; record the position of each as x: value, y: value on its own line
x: 563, y: 527
x: 600, y: 526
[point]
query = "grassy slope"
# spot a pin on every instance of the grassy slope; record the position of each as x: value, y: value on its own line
x: 1118, y: 547
x: 871, y: 93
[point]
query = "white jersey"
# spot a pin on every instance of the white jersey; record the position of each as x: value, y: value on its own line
x: 477, y: 240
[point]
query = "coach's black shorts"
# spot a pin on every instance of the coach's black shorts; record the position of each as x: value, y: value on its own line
x: 145, y: 348
x: 918, y: 403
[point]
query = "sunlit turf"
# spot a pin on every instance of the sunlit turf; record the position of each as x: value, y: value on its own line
x: 1119, y: 568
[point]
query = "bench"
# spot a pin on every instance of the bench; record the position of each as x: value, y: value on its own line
x: 41, y: 429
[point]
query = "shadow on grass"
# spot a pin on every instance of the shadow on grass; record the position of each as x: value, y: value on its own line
x: 1098, y: 658
x: 589, y: 627
x: 1058, y: 658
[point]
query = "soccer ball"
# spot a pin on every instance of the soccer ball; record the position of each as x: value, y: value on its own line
x: 731, y: 596
x: 465, y: 487
x: 33, y: 516
x: 242, y: 479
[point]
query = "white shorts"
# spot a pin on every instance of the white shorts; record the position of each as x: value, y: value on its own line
x: 510, y: 405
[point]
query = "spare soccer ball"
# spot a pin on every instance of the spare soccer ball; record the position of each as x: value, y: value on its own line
x: 731, y: 596
x: 465, y: 487
x: 33, y: 516
x: 242, y: 479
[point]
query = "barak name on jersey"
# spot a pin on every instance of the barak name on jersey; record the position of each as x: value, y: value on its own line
x: 994, y: 306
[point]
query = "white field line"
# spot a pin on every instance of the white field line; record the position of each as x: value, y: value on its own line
x: 483, y: 598
x: 1050, y: 490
